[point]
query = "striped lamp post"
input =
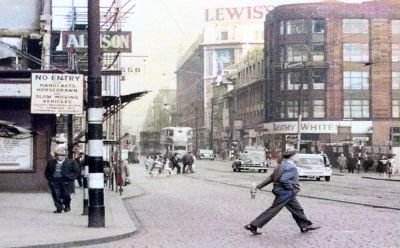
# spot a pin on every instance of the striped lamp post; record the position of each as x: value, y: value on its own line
x: 95, y: 119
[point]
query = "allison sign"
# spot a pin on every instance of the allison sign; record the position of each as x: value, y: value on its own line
x: 109, y: 41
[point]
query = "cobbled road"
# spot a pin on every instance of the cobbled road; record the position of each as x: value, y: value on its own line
x: 208, y: 209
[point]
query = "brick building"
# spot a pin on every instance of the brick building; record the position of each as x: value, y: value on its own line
x: 337, y: 66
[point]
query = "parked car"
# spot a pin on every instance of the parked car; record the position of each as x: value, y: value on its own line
x: 312, y: 166
x: 250, y: 161
x: 206, y: 154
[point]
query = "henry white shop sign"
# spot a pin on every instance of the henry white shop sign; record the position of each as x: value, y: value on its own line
x: 57, y: 93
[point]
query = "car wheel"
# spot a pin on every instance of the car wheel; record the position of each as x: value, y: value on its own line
x: 327, y: 178
x: 265, y: 170
x: 234, y: 170
x: 318, y: 178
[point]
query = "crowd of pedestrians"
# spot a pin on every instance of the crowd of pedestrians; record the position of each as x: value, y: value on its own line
x: 365, y: 162
x: 169, y: 162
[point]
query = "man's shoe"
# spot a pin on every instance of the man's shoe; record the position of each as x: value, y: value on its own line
x: 58, y: 211
x: 67, y: 209
x: 252, y: 229
x: 309, y: 228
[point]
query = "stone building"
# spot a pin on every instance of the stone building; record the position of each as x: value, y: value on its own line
x: 333, y: 69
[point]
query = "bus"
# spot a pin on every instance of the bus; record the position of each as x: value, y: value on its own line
x: 176, y: 140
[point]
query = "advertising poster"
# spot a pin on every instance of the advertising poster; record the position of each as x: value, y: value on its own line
x: 16, y: 154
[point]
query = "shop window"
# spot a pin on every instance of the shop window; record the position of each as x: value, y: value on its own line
x: 355, y: 26
x: 356, y: 109
x: 355, y: 52
x: 356, y: 80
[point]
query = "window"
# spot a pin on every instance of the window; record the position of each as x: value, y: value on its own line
x: 318, y: 52
x: 293, y: 108
x: 395, y: 26
x: 318, y: 26
x: 355, y: 52
x: 282, y: 82
x: 296, y: 26
x: 319, y: 109
x: 282, y: 27
x: 224, y: 35
x: 281, y: 109
x: 356, y: 109
x: 318, y: 79
x: 355, y: 26
x: 356, y: 80
x: 396, y: 109
x: 395, y: 80
x: 294, y: 81
x: 297, y: 53
x: 395, y: 52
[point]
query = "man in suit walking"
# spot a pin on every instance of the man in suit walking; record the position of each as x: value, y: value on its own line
x: 286, y: 185
x: 60, y: 174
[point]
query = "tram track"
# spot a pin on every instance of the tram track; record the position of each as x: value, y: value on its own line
x: 300, y: 195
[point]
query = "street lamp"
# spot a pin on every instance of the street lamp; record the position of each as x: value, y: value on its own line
x: 302, y: 66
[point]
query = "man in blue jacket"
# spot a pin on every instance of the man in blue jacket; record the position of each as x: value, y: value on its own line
x: 285, y: 179
x: 61, y: 174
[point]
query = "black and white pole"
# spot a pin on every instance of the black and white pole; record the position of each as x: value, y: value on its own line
x: 95, y: 119
x: 85, y: 190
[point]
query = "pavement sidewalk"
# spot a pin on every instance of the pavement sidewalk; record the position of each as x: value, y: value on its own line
x: 27, y: 220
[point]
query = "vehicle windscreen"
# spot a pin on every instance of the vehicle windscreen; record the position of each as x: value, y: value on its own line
x: 180, y: 148
x: 257, y: 157
x: 310, y: 162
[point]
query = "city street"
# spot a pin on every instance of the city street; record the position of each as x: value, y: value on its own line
x: 210, y: 207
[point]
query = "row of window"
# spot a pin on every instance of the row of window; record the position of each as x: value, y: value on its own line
x: 351, y: 109
x: 350, y: 26
x: 352, y: 52
x: 352, y: 80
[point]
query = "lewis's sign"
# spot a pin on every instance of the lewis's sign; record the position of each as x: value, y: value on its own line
x: 237, y: 13
x: 109, y: 41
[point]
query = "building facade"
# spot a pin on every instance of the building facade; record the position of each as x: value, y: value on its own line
x: 229, y: 35
x: 332, y: 69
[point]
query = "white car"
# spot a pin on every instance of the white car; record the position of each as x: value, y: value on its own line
x: 312, y: 166
x: 206, y: 154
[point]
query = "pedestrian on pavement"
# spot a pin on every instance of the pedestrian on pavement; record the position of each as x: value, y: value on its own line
x: 61, y: 173
x: 175, y: 163
x: 359, y: 162
x: 188, y: 161
x: 342, y: 161
x: 285, y: 179
x: 351, y: 163
x: 382, y: 165
x: 368, y: 162
x: 80, y: 160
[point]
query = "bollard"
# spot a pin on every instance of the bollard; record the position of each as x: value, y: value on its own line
x: 85, y: 192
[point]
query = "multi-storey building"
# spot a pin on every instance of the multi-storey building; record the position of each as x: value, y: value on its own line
x: 229, y: 34
x: 333, y: 69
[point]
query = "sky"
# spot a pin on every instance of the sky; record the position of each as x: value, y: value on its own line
x: 162, y: 30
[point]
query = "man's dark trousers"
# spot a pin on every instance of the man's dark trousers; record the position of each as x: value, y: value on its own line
x: 60, y: 191
x: 283, y: 198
